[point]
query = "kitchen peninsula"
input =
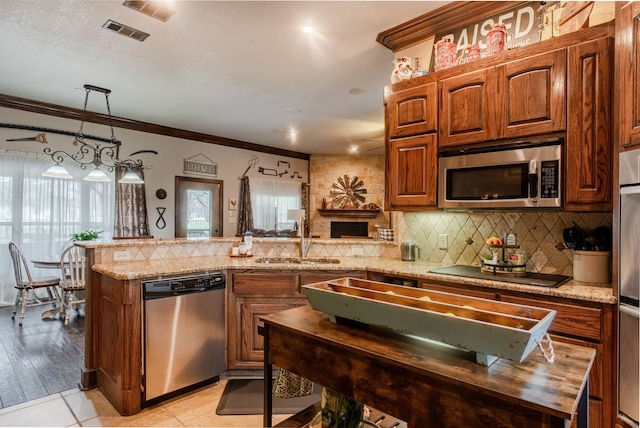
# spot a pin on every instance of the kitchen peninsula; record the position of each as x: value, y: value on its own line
x: 115, y: 315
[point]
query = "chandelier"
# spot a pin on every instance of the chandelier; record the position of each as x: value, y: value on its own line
x: 105, y: 156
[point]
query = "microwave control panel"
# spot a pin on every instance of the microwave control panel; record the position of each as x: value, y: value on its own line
x: 549, y: 174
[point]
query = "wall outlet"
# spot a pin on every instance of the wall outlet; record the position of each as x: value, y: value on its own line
x: 121, y: 256
x: 443, y: 241
x: 357, y: 250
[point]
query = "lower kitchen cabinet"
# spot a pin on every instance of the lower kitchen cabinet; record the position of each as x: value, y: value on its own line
x: 255, y: 293
x: 589, y: 324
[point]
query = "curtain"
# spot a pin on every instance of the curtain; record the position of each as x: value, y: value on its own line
x: 245, y: 215
x: 304, y: 204
x: 271, y: 199
x: 40, y: 213
x: 131, y: 220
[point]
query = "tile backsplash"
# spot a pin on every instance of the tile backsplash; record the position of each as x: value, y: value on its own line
x: 538, y: 233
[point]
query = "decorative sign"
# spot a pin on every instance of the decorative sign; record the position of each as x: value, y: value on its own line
x: 524, y: 25
x: 200, y: 164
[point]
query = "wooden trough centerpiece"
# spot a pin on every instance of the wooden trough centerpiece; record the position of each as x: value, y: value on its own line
x: 490, y: 328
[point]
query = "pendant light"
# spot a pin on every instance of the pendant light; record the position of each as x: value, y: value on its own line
x: 97, y: 156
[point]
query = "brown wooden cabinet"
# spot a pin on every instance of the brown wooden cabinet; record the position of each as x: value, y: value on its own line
x: 519, y: 98
x: 413, y: 111
x: 412, y: 173
x: 531, y: 97
x: 588, y: 324
x: 627, y: 74
x: 254, y: 293
x: 588, y: 157
x: 468, y: 108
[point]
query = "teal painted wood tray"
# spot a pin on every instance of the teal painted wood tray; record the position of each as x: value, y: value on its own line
x: 490, y: 328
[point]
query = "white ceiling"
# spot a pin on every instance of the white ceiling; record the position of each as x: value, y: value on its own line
x: 225, y: 68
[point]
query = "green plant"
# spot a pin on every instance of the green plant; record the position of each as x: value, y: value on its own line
x: 86, y: 235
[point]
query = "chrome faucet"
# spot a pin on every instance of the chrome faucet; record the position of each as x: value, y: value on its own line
x: 304, y: 246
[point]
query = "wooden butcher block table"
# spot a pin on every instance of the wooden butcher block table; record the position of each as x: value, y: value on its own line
x: 426, y: 384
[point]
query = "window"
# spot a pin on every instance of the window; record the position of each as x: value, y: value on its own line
x: 270, y: 202
x: 40, y: 213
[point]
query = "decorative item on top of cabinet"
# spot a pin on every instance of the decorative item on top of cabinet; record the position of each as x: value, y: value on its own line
x: 402, y: 69
x: 496, y: 39
x: 412, y: 173
x: 445, y: 53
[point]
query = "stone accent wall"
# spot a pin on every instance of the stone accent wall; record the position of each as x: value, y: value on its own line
x: 325, y: 170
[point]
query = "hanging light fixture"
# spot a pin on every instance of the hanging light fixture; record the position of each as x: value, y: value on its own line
x: 97, y: 156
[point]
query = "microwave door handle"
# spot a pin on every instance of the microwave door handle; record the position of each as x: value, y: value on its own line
x: 533, y: 179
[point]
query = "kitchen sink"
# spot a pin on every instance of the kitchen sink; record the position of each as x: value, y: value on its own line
x: 310, y: 261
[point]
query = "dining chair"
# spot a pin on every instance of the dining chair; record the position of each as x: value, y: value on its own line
x: 73, y: 263
x: 26, y: 284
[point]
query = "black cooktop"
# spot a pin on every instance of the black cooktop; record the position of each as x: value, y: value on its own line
x: 531, y: 278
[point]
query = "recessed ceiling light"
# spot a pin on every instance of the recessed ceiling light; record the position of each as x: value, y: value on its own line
x: 353, y: 149
x: 307, y: 29
x: 357, y: 91
x: 293, y: 110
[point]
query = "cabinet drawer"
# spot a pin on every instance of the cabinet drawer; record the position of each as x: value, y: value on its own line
x: 264, y: 283
x: 311, y: 277
x: 577, y: 321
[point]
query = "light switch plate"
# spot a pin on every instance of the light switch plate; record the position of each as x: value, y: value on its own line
x: 443, y: 241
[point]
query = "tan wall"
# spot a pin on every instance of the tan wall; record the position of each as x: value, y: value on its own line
x: 325, y: 170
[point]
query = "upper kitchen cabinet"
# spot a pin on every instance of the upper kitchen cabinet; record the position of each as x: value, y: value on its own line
x: 589, y: 151
x: 411, y: 173
x: 413, y: 111
x: 627, y: 74
x: 468, y: 108
x: 530, y: 95
x: 517, y: 99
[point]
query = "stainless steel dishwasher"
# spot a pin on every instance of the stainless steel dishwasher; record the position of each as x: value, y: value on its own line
x: 184, y: 333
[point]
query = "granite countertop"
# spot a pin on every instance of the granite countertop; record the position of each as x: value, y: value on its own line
x: 602, y: 293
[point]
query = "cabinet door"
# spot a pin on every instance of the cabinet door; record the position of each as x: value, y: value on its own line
x: 467, y: 108
x: 627, y: 74
x: 589, y: 151
x: 249, y: 344
x: 413, y: 111
x: 412, y: 172
x: 531, y: 95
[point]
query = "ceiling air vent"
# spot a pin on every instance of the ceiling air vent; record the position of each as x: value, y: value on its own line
x: 151, y: 9
x: 125, y: 30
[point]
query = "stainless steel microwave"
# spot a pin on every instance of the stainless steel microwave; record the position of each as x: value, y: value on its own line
x: 510, y: 177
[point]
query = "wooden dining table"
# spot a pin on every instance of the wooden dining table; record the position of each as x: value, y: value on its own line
x: 426, y: 384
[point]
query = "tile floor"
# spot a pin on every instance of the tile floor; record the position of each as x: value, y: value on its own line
x: 75, y: 408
